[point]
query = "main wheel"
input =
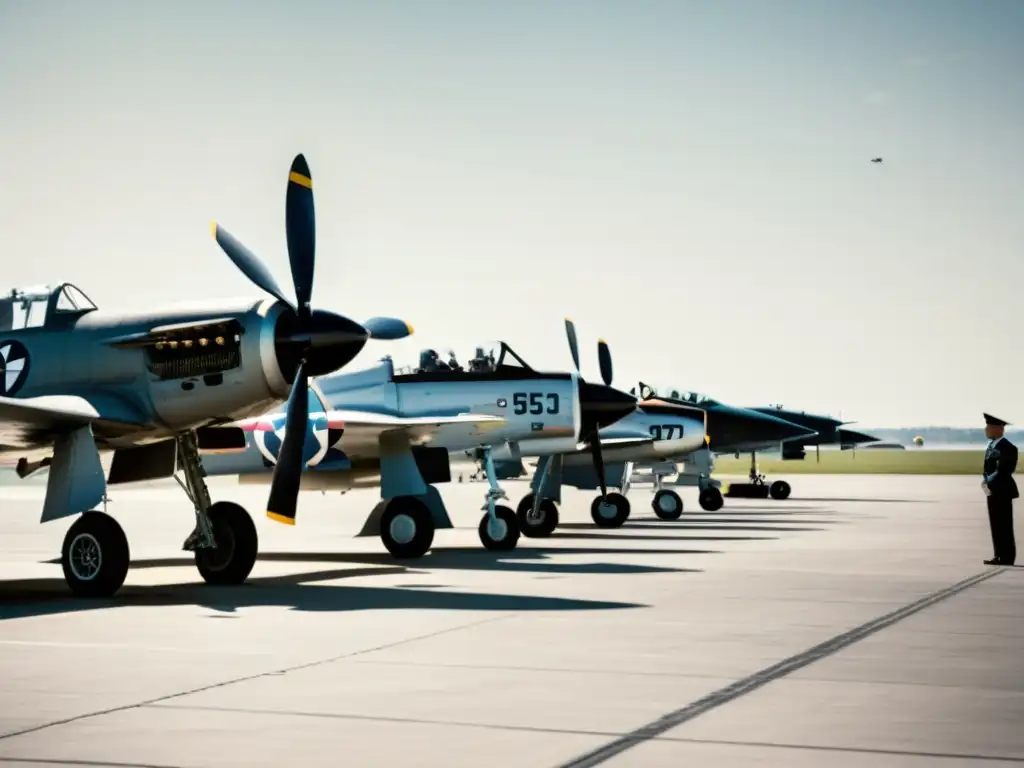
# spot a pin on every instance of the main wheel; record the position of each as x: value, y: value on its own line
x: 667, y: 505
x: 406, y: 527
x: 95, y: 555
x: 779, y: 490
x: 711, y: 499
x: 539, y: 528
x: 501, y: 534
x: 234, y: 532
x: 611, y: 511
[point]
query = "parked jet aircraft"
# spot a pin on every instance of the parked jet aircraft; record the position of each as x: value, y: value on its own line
x: 731, y: 430
x: 155, y: 388
x: 399, y: 426
x: 804, y: 429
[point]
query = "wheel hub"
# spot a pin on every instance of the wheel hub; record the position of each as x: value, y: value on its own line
x: 402, y: 529
x: 85, y: 557
x: 606, y: 510
x: 218, y: 557
x: 667, y: 504
x: 497, y: 529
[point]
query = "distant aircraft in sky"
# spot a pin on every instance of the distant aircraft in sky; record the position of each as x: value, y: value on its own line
x: 876, y: 160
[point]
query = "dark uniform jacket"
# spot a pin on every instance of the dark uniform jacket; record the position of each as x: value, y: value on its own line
x: 1000, y: 464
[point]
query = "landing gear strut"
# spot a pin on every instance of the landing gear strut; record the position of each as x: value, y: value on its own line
x: 95, y: 555
x: 666, y: 503
x: 224, y: 540
x: 499, y: 527
x: 612, y: 509
x: 538, y: 516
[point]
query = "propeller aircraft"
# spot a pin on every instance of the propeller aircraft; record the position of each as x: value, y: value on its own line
x: 400, y: 427
x: 155, y: 388
x: 653, y: 431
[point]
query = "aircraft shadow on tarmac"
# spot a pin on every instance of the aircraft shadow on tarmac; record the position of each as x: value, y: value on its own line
x: 298, y: 591
x: 33, y: 597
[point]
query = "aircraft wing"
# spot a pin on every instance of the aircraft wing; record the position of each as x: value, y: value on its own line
x: 420, y: 429
x: 620, y: 442
x: 362, y: 432
x: 35, y: 422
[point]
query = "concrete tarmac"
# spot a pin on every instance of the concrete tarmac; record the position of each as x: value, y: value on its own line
x: 852, y: 625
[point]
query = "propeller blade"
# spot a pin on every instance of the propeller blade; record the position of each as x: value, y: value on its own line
x: 387, y: 328
x: 570, y: 331
x: 247, y: 261
x: 300, y: 227
x: 604, y: 359
x: 595, y: 451
x: 284, y: 485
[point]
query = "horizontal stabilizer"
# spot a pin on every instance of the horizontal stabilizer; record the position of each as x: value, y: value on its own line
x: 384, y: 421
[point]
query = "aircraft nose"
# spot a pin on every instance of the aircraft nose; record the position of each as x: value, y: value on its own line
x: 602, y: 405
x: 328, y: 342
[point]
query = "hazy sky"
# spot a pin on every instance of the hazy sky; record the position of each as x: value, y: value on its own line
x: 689, y: 180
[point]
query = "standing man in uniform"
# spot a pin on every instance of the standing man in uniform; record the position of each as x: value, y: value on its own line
x: 1000, y: 489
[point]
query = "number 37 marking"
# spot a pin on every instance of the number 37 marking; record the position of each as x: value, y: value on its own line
x: 534, y: 402
x: 666, y: 431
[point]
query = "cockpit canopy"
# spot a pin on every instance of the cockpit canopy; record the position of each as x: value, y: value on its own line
x: 648, y: 392
x: 489, y: 357
x: 42, y: 307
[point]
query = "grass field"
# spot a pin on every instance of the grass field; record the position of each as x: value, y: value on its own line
x: 876, y: 461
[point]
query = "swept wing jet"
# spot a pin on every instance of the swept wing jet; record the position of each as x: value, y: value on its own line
x: 155, y: 388
x: 731, y: 430
x: 398, y: 428
x: 825, y: 430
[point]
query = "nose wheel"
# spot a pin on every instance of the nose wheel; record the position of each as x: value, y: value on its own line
x: 711, y: 499
x: 667, y: 505
x: 610, y: 511
x: 500, y: 532
x: 232, y: 558
x: 542, y: 524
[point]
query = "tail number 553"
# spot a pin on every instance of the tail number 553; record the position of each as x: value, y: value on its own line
x: 535, y: 402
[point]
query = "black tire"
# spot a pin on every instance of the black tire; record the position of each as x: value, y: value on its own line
x: 780, y: 490
x: 406, y: 528
x: 232, y: 560
x: 95, y: 556
x: 537, y: 529
x: 667, y: 505
x: 617, y: 500
x: 711, y: 499
x: 509, y: 533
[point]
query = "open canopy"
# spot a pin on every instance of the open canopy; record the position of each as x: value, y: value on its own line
x: 487, y: 357
x: 42, y: 306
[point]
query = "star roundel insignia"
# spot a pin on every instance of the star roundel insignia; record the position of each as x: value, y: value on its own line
x: 14, y: 365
